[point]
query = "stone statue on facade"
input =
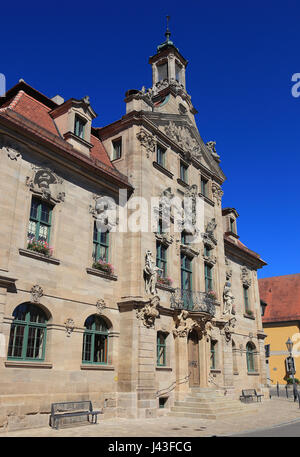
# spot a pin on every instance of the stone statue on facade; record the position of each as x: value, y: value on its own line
x: 150, y: 274
x: 228, y: 298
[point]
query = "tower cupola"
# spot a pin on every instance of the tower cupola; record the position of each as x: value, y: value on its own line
x: 168, y: 65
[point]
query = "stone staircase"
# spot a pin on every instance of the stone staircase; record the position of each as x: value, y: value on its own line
x: 209, y: 403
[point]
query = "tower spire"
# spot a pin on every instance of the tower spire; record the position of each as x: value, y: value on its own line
x: 168, y: 42
x: 168, y: 33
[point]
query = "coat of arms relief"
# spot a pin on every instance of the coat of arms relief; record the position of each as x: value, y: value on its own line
x: 182, y: 136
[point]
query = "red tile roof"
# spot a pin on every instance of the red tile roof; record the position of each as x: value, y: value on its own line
x: 34, y: 110
x: 282, y: 295
x: 26, y: 106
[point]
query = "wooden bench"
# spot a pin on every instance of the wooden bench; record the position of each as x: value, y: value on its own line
x: 62, y: 410
x: 249, y: 394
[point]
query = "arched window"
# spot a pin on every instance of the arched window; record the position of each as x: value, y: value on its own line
x: 250, y: 351
x: 95, y: 340
x: 161, y: 360
x: 27, y: 337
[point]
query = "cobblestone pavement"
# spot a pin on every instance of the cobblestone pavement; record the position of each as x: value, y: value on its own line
x: 269, y: 413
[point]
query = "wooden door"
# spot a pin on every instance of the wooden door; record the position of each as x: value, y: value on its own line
x: 193, y: 355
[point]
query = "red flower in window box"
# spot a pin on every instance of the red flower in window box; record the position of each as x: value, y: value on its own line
x: 40, y: 246
x: 165, y: 281
x: 104, y: 266
x: 212, y: 294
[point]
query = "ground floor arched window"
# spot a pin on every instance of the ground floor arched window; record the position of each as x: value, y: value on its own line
x: 250, y: 356
x: 95, y: 340
x: 27, y: 339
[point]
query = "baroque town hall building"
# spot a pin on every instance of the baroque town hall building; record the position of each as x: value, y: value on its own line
x: 142, y: 322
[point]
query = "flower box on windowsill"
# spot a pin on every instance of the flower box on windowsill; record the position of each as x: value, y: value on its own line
x: 101, y: 274
x: 212, y: 295
x: 41, y: 247
x: 38, y: 256
x: 106, y: 267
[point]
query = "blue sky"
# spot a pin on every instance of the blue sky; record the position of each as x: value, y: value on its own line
x: 241, y: 56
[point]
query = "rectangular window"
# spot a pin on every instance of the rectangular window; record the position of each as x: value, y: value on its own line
x: 246, y: 298
x: 206, y: 251
x: 204, y: 187
x: 40, y: 220
x: 208, y: 277
x: 178, y: 72
x: 232, y: 228
x: 117, y: 149
x: 79, y: 127
x: 213, y: 345
x: 161, y: 350
x: 100, y: 244
x: 161, y: 259
x: 183, y: 172
x: 162, y: 71
x: 186, y: 281
x: 161, y: 156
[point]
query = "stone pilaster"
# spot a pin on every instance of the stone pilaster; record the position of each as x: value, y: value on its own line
x: 262, y: 358
x: 146, y: 388
x: 182, y: 368
x: 228, y: 364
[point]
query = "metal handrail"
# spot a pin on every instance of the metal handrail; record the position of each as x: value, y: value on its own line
x: 170, y: 388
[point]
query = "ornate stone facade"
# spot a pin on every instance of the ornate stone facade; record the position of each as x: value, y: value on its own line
x: 139, y: 338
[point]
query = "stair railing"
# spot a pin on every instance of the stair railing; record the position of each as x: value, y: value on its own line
x: 173, y: 385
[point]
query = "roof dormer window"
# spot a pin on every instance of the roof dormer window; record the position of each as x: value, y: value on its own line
x: 79, y: 125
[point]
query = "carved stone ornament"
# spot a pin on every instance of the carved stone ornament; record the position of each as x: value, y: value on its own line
x: 150, y: 274
x: 228, y: 269
x: 184, y: 139
x: 211, y: 145
x: 104, y: 210
x: 190, y: 206
x: 217, y: 193
x: 46, y: 183
x: 69, y: 324
x: 12, y: 153
x: 245, y: 276
x: 163, y: 210
x: 10, y: 148
x: 209, y: 237
x: 210, y: 259
x: 228, y: 329
x: 100, y: 305
x: 148, y: 141
x: 164, y: 238
x: 149, y: 312
x: 228, y: 298
x: 185, y: 324
x: 36, y: 293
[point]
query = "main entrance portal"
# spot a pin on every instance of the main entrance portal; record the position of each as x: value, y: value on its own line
x: 193, y: 355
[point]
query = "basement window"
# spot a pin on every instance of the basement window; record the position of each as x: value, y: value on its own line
x: 162, y: 402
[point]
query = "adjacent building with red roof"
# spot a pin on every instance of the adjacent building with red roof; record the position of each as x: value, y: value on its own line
x: 281, y: 320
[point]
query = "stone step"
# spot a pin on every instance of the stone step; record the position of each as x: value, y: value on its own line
x: 211, y: 416
x: 212, y: 405
x: 209, y: 399
x: 204, y: 409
